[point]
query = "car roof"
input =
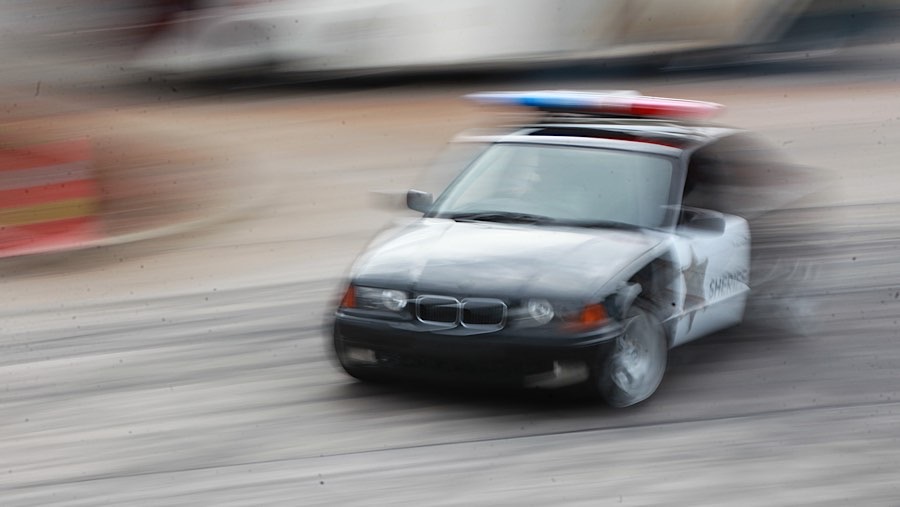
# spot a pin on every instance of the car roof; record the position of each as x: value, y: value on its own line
x: 664, y: 136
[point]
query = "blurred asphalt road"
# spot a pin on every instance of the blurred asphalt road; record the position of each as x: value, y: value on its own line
x: 193, y: 370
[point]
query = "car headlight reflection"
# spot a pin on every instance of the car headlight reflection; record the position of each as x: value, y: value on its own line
x: 372, y: 298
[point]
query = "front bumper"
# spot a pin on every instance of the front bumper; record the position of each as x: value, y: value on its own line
x: 372, y: 347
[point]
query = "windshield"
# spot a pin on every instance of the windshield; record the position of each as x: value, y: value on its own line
x: 562, y: 184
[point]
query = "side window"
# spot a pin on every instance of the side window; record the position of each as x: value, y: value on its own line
x: 703, y: 176
x: 729, y: 174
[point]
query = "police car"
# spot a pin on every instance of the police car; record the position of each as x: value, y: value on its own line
x: 573, y: 250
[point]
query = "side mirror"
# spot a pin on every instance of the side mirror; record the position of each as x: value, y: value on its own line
x: 419, y: 201
x: 701, y: 220
x: 707, y: 223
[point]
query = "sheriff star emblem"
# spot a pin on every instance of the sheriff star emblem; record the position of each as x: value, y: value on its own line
x: 694, y: 296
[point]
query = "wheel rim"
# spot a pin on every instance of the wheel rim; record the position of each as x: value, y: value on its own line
x: 633, y: 361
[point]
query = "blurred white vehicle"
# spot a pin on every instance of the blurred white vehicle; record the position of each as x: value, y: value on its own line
x: 366, y: 35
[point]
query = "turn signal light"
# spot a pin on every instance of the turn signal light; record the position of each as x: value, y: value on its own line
x: 349, y: 299
x: 593, y: 315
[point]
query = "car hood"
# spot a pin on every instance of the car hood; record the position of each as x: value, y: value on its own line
x: 440, y: 256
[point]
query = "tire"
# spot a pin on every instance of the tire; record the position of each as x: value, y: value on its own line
x: 632, y: 371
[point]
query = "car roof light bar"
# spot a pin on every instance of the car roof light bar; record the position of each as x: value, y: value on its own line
x: 616, y: 102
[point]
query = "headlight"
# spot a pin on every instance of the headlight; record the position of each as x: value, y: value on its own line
x: 570, y: 315
x: 372, y: 298
x: 540, y: 310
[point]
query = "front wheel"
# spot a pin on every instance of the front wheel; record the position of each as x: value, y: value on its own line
x: 635, y: 366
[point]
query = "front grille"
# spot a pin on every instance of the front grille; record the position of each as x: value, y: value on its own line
x: 439, y: 309
x: 483, y: 312
x: 479, y: 313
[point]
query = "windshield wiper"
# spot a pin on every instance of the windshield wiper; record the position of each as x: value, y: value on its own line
x: 501, y: 216
x: 601, y: 224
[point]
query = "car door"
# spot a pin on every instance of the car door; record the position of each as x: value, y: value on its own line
x: 712, y: 253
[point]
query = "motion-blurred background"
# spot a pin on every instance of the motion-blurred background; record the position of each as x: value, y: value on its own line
x: 184, y: 183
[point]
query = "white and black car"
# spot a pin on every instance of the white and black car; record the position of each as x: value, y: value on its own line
x: 574, y: 250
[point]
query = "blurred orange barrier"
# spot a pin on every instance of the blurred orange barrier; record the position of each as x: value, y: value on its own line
x: 49, y: 198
